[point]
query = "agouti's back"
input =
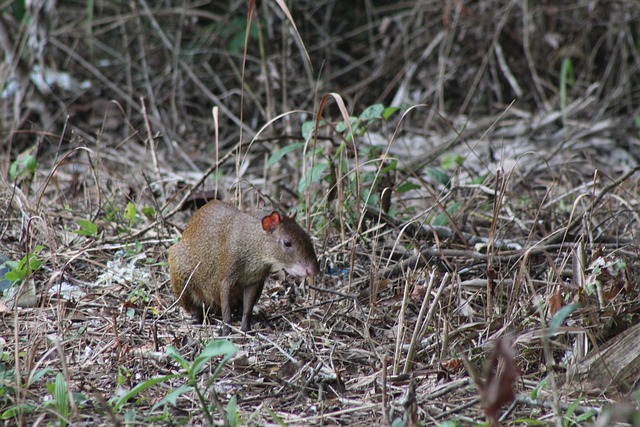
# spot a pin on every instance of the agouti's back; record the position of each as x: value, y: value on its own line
x: 225, y: 256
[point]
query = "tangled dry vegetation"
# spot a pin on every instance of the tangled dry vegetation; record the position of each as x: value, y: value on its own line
x: 486, y: 226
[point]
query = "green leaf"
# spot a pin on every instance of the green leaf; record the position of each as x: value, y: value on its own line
x: 175, y: 355
x: 120, y: 402
x: 172, y: 397
x: 87, y: 228
x: 149, y: 212
x: 62, y: 399
x: 34, y: 262
x: 130, y: 212
x: 451, y: 161
x: 19, y: 9
x: 342, y: 126
x: 213, y: 349
x: 236, y: 43
x: 313, y: 174
x: 13, y: 276
x: 25, y: 164
x: 393, y: 165
x: 534, y: 393
x: 388, y: 112
x: 38, y: 374
x: 80, y: 398
x: 439, y: 176
x: 309, y: 127
x: 566, y: 79
x: 219, y: 348
x: 441, y: 219
x: 571, y: 409
x: 133, y: 249
x: 528, y: 421
x: 374, y: 111
x: 407, y: 186
x: 586, y: 416
x: 479, y: 179
x: 232, y: 412
x: 18, y: 410
x: 223, y: 362
x: 19, y: 272
x: 273, y: 159
x: 560, y: 316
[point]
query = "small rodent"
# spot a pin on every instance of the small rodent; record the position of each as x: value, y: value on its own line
x: 226, y: 255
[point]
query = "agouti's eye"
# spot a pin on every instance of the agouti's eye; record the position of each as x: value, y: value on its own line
x: 287, y: 243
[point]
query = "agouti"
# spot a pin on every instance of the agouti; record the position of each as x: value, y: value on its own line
x: 226, y: 255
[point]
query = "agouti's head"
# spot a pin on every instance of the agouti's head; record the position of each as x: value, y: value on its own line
x: 292, y: 248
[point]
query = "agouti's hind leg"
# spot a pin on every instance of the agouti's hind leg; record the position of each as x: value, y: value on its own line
x: 225, y: 302
x: 249, y: 299
x: 199, y: 315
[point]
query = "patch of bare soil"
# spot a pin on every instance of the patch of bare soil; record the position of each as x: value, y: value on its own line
x: 479, y: 245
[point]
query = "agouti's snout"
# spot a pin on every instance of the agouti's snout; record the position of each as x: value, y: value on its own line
x: 304, y: 270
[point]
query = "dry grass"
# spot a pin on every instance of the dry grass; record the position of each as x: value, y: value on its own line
x: 515, y: 193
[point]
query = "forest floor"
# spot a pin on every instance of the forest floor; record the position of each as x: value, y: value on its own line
x: 477, y: 222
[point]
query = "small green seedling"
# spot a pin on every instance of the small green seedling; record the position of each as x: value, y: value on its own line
x: 190, y: 372
x: 60, y: 401
x: 27, y: 265
x: 87, y: 228
x: 24, y: 165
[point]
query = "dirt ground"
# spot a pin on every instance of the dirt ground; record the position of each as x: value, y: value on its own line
x: 477, y: 221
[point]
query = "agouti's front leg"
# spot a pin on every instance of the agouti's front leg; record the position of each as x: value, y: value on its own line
x: 225, y: 302
x: 249, y: 298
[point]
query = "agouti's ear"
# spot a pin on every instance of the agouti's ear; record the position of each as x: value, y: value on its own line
x: 293, y: 215
x: 270, y: 222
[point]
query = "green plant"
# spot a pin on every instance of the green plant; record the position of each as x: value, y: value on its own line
x: 87, y: 228
x: 131, y: 213
x: 149, y: 213
x: 333, y: 169
x: 60, y: 401
x: 213, y: 349
x: 233, y: 417
x: 131, y: 250
x: 570, y: 417
x: 19, y: 8
x: 127, y: 217
x: 528, y: 422
x: 7, y: 377
x: 138, y: 297
x: 561, y: 315
x: 235, y: 29
x: 451, y: 161
x: 442, y: 219
x: 207, y: 397
x: 373, y: 114
x: 23, y: 268
x: 10, y: 382
x: 24, y: 165
x: 536, y: 390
